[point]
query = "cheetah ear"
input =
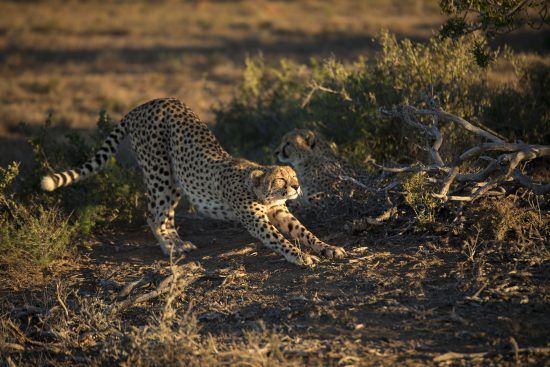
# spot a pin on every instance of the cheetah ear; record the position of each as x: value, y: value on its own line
x: 311, y: 139
x: 255, y: 177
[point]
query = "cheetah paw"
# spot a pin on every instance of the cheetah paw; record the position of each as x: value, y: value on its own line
x: 178, y: 247
x: 333, y: 252
x: 307, y: 260
x: 181, y: 246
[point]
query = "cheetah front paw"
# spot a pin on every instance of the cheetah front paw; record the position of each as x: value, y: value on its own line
x: 177, y: 247
x: 307, y: 260
x: 333, y: 252
x: 182, y: 247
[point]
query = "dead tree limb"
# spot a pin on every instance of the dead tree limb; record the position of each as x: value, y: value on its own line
x: 453, y: 356
x: 502, y: 169
x: 181, y: 277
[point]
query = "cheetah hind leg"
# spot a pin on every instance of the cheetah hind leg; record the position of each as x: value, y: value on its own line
x: 161, y: 221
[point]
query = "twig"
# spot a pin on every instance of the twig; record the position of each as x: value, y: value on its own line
x: 475, y: 296
x: 362, y: 224
x: 25, y: 339
x: 515, y: 348
x: 412, y: 168
x: 9, y: 362
x: 314, y: 88
x: 61, y: 301
x: 353, y: 181
x: 181, y: 277
x: 453, y: 356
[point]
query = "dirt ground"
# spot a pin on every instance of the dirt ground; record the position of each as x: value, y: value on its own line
x: 397, y: 300
x: 404, y: 296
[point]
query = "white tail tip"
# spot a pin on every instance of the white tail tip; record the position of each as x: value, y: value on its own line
x: 47, y: 183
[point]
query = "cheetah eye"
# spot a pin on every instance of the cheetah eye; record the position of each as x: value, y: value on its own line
x: 285, y: 150
x: 279, y: 182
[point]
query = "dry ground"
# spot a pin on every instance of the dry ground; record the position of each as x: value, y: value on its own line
x: 401, y: 298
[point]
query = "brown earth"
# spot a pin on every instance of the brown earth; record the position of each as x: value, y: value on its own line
x: 403, y: 297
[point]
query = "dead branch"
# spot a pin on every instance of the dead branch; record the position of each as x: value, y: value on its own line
x: 362, y: 224
x: 317, y: 87
x: 500, y: 170
x: 415, y: 168
x: 453, y: 356
x: 539, y: 189
x: 181, y: 277
x: 445, y: 116
x: 351, y: 180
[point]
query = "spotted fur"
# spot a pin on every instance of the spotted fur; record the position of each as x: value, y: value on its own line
x: 320, y: 173
x: 179, y: 154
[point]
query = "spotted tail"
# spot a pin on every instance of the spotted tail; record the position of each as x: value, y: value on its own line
x: 94, y: 165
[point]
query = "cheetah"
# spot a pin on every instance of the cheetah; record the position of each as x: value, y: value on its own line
x: 320, y: 173
x: 178, y: 154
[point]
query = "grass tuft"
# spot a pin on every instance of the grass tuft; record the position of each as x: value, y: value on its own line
x: 31, y: 236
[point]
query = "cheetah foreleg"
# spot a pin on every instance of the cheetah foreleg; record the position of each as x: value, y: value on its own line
x: 258, y: 225
x: 292, y: 227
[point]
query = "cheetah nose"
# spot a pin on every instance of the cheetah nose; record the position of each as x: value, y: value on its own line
x: 295, y: 187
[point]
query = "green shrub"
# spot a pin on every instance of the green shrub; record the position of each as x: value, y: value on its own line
x: 111, y: 197
x: 521, y: 109
x: 342, y: 101
x: 418, y: 195
x: 37, y: 228
x: 30, y: 235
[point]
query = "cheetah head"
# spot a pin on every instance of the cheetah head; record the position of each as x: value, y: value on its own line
x: 275, y: 184
x: 299, y: 144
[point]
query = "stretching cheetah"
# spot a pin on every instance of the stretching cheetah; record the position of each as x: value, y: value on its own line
x: 177, y: 151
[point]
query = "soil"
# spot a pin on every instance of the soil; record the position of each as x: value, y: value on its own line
x: 398, y: 299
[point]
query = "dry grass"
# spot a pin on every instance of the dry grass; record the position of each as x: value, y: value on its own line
x: 73, y: 58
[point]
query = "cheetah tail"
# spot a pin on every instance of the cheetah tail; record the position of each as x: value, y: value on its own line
x: 94, y: 165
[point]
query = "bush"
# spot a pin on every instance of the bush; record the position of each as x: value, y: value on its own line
x: 418, y: 195
x: 37, y: 228
x: 521, y: 110
x: 342, y: 101
x: 31, y: 235
x: 111, y: 197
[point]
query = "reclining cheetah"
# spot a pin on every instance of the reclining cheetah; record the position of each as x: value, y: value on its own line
x: 320, y: 172
x: 177, y: 151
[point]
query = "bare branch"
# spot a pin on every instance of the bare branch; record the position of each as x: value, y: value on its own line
x: 539, y: 189
x: 460, y: 121
x: 498, y: 171
x: 317, y: 87
x: 181, y: 277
